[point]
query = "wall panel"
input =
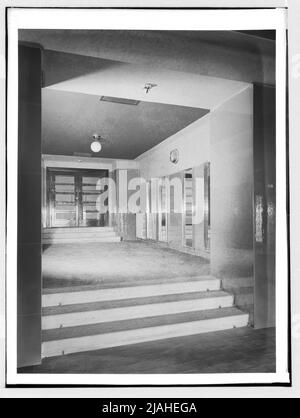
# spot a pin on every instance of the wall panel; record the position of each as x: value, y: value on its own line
x: 232, y: 187
x: 265, y: 205
x: 29, y: 208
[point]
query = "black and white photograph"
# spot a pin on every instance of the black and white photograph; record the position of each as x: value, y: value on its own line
x: 147, y: 196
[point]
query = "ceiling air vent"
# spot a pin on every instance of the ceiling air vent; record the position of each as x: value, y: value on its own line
x: 82, y: 154
x: 119, y: 100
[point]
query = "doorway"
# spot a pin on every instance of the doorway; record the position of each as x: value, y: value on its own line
x: 73, y: 198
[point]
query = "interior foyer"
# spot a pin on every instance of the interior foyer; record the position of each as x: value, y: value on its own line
x: 139, y: 278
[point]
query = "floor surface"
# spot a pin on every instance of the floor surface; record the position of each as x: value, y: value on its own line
x: 243, y: 350
x: 71, y: 264
x: 240, y: 350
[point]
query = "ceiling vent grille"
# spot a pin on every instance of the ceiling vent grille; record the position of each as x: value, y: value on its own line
x: 82, y: 154
x: 119, y: 100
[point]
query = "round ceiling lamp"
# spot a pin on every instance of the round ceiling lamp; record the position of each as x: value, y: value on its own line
x: 96, y: 144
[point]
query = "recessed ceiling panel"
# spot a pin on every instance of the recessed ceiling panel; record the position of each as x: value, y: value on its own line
x: 70, y: 119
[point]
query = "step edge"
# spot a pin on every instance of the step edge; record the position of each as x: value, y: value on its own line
x: 75, y: 229
x: 80, y: 240
x: 236, y: 312
x: 71, y: 289
x: 79, y: 305
x: 111, y: 335
x: 138, y: 312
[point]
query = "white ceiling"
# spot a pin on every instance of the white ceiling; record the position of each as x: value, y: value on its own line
x: 70, y: 119
x: 81, y: 66
x: 173, y: 87
x: 72, y: 111
x: 98, y: 76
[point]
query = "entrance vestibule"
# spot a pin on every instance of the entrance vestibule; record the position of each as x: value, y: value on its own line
x: 73, y: 198
x: 214, y: 168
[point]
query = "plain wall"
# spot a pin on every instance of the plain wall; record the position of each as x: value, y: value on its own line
x: 231, y: 151
x: 192, y: 143
x: 265, y: 204
x: 29, y: 208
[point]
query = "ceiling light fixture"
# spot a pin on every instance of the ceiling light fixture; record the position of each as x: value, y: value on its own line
x: 96, y: 145
x: 149, y: 86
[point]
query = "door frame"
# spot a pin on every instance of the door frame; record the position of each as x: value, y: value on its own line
x: 184, y: 201
x: 71, y: 171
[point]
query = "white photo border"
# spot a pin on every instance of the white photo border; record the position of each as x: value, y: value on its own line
x: 156, y: 19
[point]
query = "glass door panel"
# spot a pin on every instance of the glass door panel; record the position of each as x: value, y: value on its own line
x: 92, y: 210
x: 207, y: 206
x: 188, y: 209
x: 64, y: 202
x: 74, y: 198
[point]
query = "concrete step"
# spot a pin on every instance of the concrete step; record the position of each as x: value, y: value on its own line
x: 117, y: 333
x: 237, y: 282
x: 125, y: 282
x: 244, y: 298
x: 77, y: 235
x: 83, y: 234
x: 91, y: 294
x: 92, y: 313
x: 80, y: 240
x: 78, y: 229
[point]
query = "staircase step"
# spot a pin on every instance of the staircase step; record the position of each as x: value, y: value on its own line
x: 118, y: 333
x: 237, y: 282
x: 244, y: 298
x: 84, y: 234
x: 75, y: 230
x: 91, y: 313
x: 125, y: 282
x: 117, y: 293
x: 121, y: 303
x: 80, y: 240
